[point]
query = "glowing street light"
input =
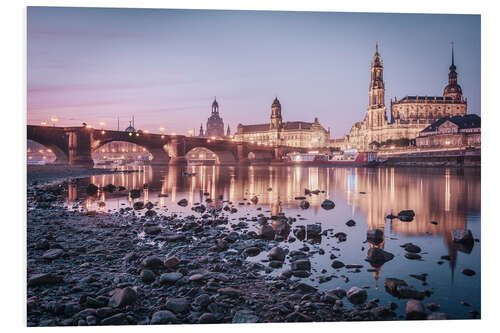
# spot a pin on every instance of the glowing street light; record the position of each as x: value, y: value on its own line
x: 162, y: 129
x: 102, y: 123
x: 54, y: 120
x: 43, y: 123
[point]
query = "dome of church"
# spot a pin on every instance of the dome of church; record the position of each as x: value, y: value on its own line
x: 130, y: 129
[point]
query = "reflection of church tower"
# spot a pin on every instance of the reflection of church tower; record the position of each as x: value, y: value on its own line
x: 201, y: 131
x: 376, y: 116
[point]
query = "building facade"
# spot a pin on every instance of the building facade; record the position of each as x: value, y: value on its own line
x: 452, y: 132
x: 290, y: 133
x: 409, y: 115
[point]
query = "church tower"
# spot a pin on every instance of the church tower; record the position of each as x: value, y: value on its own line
x: 453, y: 89
x: 276, y: 119
x: 215, y: 124
x: 376, y: 116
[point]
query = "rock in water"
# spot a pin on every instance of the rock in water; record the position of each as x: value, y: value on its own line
x: 415, y: 310
x: 337, y: 264
x: 254, y: 200
x: 412, y: 248
x: 182, y: 203
x: 277, y: 253
x: 313, y: 230
x: 350, y: 223
x: 412, y: 256
x: 245, y: 316
x: 304, y: 204
x: 377, y: 257
x: 327, y: 204
x: 356, y: 295
x: 163, y: 317
x: 122, y: 298
x: 468, y: 272
x: 301, y: 265
x: 406, y: 215
x: 375, y: 236
x: 463, y: 236
x: 266, y: 232
x: 135, y: 194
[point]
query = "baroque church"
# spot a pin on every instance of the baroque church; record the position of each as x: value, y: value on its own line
x: 291, y: 133
x: 409, y: 115
x: 215, y: 124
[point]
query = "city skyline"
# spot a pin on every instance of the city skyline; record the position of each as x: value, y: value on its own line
x: 169, y: 64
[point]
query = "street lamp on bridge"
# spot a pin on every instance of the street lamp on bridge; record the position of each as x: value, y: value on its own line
x: 54, y: 120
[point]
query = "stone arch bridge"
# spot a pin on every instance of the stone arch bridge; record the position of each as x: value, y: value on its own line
x: 75, y: 145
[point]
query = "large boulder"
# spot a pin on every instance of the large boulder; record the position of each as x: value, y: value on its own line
x: 375, y: 236
x: 377, y: 257
x: 122, y: 298
x: 356, y: 295
x: 415, y: 310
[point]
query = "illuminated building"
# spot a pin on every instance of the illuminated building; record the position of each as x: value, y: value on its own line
x: 277, y: 132
x: 457, y: 131
x: 409, y: 115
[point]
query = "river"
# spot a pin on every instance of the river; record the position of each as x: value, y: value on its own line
x: 450, y: 197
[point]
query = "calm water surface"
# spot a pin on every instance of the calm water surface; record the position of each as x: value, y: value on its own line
x: 450, y: 197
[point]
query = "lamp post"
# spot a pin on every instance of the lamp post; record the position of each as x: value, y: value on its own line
x: 54, y: 120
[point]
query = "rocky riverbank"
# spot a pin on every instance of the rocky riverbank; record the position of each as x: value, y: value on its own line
x: 144, y: 265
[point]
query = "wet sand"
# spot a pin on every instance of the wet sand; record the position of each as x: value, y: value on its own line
x: 54, y: 173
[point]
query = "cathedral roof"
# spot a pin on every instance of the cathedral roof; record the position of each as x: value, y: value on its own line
x: 254, y: 128
x: 423, y: 98
x: 463, y: 122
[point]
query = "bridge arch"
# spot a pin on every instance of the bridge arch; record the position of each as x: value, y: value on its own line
x: 220, y: 157
x: 159, y: 155
x: 56, y: 142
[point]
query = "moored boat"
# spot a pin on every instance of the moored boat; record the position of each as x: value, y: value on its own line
x: 347, y: 158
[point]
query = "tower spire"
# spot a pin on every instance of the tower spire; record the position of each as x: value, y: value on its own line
x: 452, y: 54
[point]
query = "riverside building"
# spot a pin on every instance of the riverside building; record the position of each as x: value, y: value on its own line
x: 277, y: 132
x: 408, y: 116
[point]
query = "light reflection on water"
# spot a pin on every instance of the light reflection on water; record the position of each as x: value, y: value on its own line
x: 450, y: 197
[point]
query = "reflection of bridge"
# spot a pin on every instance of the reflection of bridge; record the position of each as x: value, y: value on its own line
x: 74, y: 145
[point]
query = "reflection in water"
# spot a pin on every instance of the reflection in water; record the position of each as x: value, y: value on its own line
x: 445, y: 196
x: 449, y: 197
